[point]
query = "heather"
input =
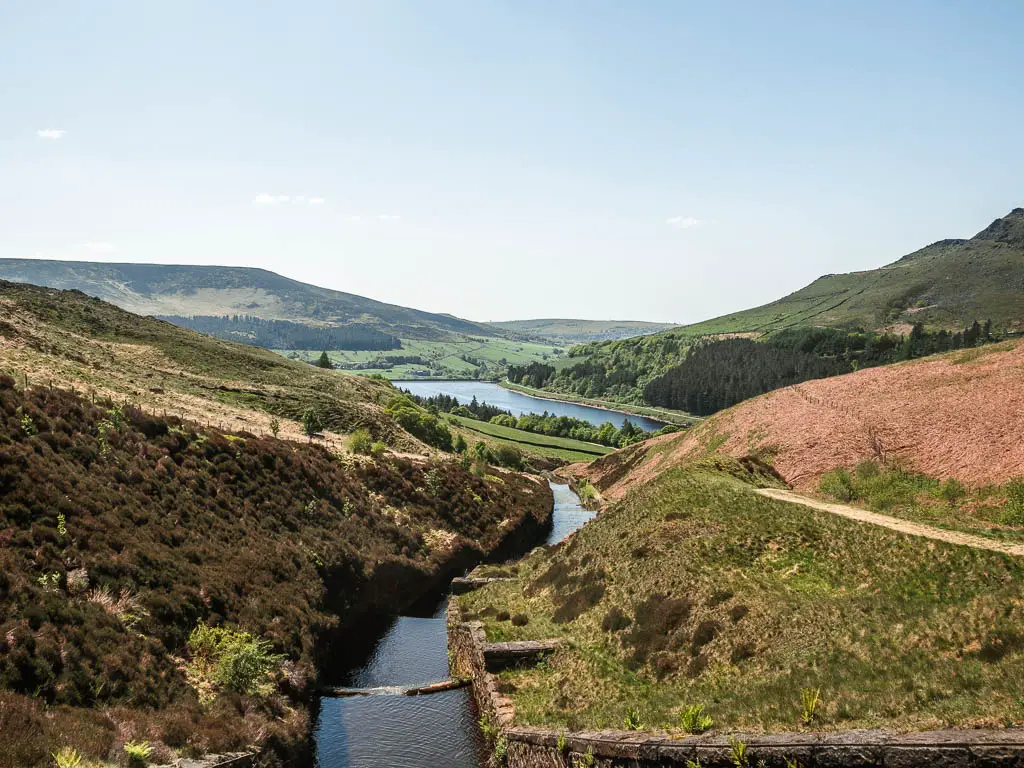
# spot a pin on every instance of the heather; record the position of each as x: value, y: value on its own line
x: 123, y: 534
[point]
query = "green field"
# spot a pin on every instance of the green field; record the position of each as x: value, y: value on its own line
x: 529, y: 442
x: 469, y: 357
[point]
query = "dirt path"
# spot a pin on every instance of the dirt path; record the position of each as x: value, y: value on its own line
x: 895, y: 523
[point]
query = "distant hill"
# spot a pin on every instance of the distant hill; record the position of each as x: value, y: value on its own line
x: 563, y: 331
x: 947, y: 284
x: 182, y: 291
x: 945, y: 287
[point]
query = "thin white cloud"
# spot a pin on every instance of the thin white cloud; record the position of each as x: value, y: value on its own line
x: 265, y: 199
x: 50, y: 133
x: 387, y: 217
x: 683, y: 222
x: 99, y: 247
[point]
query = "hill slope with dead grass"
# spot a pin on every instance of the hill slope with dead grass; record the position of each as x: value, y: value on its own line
x: 67, y: 339
x: 958, y: 415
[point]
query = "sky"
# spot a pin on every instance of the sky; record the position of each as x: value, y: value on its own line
x: 652, y: 160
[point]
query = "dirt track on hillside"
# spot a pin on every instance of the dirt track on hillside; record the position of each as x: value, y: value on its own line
x: 895, y: 523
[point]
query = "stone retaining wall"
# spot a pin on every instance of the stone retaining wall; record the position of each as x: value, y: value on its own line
x: 528, y: 747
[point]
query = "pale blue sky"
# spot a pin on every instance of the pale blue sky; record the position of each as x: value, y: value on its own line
x: 496, y: 160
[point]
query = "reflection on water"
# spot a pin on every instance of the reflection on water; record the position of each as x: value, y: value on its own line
x: 518, y: 403
x: 434, y: 731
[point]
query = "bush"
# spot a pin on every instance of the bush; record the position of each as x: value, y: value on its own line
x: 419, y: 423
x: 378, y: 449
x: 520, y: 620
x: 838, y: 485
x: 1013, y: 512
x: 508, y: 456
x: 233, y: 659
x: 361, y: 442
x: 952, y: 491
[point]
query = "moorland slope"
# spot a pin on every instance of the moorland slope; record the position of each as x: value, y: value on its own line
x: 959, y: 415
x: 165, y: 583
x: 67, y: 339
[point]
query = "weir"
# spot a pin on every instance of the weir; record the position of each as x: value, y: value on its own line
x: 379, y: 713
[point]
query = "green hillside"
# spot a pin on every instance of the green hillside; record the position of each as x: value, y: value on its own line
x: 944, y: 287
x: 570, y: 332
x: 947, y: 284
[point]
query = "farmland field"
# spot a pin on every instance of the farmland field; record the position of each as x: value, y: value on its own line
x: 469, y: 357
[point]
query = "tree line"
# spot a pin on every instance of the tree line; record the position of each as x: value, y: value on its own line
x: 714, y: 375
x: 285, y: 334
x: 540, y: 423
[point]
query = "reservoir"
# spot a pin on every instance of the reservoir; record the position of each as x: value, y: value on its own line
x: 518, y: 403
x: 440, y: 729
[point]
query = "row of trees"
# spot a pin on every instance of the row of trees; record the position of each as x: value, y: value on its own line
x: 285, y: 334
x: 538, y: 423
x: 717, y: 374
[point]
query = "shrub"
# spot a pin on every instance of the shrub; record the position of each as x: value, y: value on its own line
x: 137, y: 752
x: 275, y: 425
x: 508, y: 456
x: 694, y: 719
x: 632, y: 720
x: 520, y: 620
x: 1013, y: 512
x: 361, y: 442
x: 233, y: 659
x: 837, y: 484
x: 378, y: 449
x: 952, y: 491
x: 312, y: 422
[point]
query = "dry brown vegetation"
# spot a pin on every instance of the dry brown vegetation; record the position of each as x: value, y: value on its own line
x: 958, y: 415
x: 121, y: 532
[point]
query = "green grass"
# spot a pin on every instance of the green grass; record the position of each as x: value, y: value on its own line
x: 443, y: 358
x: 694, y: 590
x: 662, y: 414
x: 530, y: 442
x: 990, y: 511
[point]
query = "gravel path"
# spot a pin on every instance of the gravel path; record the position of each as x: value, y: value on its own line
x: 895, y: 523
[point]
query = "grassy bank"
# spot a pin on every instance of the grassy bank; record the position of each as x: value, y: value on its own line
x: 694, y: 591
x: 563, y: 448
x: 661, y: 414
x: 994, y: 511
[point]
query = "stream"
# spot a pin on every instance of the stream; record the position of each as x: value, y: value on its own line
x: 439, y: 729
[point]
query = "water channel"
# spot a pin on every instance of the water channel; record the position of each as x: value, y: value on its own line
x: 518, y: 403
x: 420, y: 731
